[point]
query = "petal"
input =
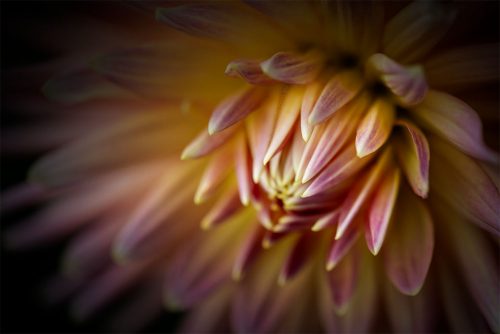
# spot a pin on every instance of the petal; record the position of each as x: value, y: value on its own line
x: 243, y: 166
x: 289, y: 111
x: 456, y: 122
x: 260, y: 126
x: 407, y: 83
x: 409, y: 245
x: 343, y: 280
x: 341, y: 247
x: 375, y: 128
x: 462, y: 67
x: 294, y: 68
x: 215, y: 174
x: 477, y: 262
x: 413, y: 153
x: 361, y: 191
x: 381, y: 209
x: 339, y: 90
x: 311, y: 94
x: 411, y: 314
x: 228, y: 22
x: 226, y: 206
x: 205, y: 144
x: 248, y: 252
x: 462, y: 183
x: 248, y: 70
x: 335, y: 132
x: 298, y: 257
x: 416, y: 29
x: 234, y: 108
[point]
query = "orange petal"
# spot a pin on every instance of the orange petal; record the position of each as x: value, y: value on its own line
x: 249, y: 70
x: 294, y: 68
x: 375, y: 128
x: 205, y: 144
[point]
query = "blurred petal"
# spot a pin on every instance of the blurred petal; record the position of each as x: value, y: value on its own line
x: 311, y: 94
x: 343, y: 280
x: 463, y: 184
x: 409, y: 244
x: 243, y: 166
x: 226, y: 206
x: 205, y: 144
x: 249, y: 70
x: 456, y: 122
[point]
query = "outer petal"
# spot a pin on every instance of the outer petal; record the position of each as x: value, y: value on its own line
x: 413, y: 153
x: 463, y: 184
x: 375, y: 128
x: 416, y: 29
x: 455, y: 121
x: 205, y: 144
x: 409, y: 244
x: 343, y: 280
x: 248, y: 70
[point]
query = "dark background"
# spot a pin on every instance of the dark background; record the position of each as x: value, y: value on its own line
x: 23, y: 309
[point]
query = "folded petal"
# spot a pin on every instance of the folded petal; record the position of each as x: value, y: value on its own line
x: 408, y: 84
x: 294, y: 68
x: 234, y: 108
x: 339, y: 90
x: 463, y: 184
x: 413, y: 153
x: 375, y: 127
x: 381, y: 209
x: 409, y: 244
x: 456, y: 122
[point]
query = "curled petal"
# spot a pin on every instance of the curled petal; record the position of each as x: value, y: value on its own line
x: 416, y: 29
x: 381, y: 210
x: 248, y: 70
x: 414, y: 155
x: 234, y: 108
x: 339, y: 90
x: 294, y: 68
x: 463, y: 183
x: 456, y: 122
x: 409, y: 245
x: 375, y: 128
x: 407, y: 83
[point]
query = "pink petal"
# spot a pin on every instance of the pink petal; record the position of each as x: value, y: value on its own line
x: 462, y: 183
x: 294, y: 68
x: 311, y: 94
x: 381, y: 210
x: 325, y: 221
x: 251, y: 248
x: 249, y: 70
x: 205, y: 144
x: 234, y: 108
x: 413, y: 154
x: 456, y: 122
x: 339, y: 90
x: 298, y: 257
x: 411, y: 33
x: 343, y: 280
x: 243, y: 166
x: 375, y: 127
x: 407, y: 83
x: 341, y: 247
x: 361, y: 191
x: 289, y: 111
x: 409, y: 245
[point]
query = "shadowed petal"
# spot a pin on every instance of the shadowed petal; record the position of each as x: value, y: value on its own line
x: 409, y: 244
x: 298, y: 257
x: 234, y: 108
x: 381, y: 210
x: 343, y: 280
x: 413, y: 153
x: 339, y: 90
x: 311, y: 94
x: 456, y: 122
x: 341, y: 247
x: 416, y: 29
x: 226, y: 206
x: 248, y: 70
x: 251, y: 248
x: 462, y: 183
x: 294, y: 68
x: 375, y: 128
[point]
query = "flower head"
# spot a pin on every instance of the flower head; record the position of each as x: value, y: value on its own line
x: 328, y: 163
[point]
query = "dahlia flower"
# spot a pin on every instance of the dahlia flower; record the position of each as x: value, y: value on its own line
x: 340, y: 184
